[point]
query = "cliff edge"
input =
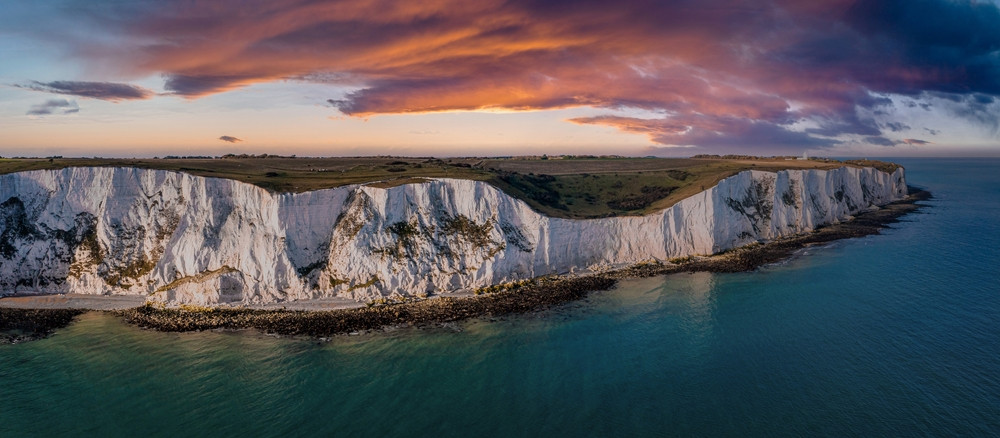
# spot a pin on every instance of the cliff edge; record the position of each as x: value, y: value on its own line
x: 179, y: 238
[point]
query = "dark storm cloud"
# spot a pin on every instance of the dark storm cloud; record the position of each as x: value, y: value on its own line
x: 110, y: 91
x: 947, y: 46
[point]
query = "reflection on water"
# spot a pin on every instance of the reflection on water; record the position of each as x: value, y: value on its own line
x: 681, y: 306
x: 694, y: 295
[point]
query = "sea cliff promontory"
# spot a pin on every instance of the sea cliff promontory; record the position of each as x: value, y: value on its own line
x: 177, y: 238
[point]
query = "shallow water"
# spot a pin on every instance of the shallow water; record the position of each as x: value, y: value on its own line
x: 896, y: 334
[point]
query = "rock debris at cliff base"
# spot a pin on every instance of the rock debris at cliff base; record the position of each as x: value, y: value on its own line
x: 21, y: 325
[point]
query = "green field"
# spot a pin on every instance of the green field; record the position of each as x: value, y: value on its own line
x: 577, y: 187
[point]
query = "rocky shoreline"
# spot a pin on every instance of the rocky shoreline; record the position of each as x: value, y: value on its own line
x: 22, y: 325
x: 534, y: 295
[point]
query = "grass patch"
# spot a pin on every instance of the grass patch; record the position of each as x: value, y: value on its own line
x: 371, y: 282
x: 406, y: 232
x: 883, y: 166
x: 197, y: 278
x: 476, y: 234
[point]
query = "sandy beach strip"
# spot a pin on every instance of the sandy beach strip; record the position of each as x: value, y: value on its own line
x: 73, y: 301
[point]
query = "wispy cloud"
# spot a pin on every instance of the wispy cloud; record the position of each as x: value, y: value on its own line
x: 721, y: 134
x: 230, y: 139
x: 110, y: 91
x: 54, y: 106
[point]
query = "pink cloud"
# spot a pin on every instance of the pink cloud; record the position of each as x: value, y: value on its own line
x: 719, y: 71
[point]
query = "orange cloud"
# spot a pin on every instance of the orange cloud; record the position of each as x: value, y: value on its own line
x: 715, y: 69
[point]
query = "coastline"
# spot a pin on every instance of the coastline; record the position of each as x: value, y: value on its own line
x: 535, y: 295
x: 366, y: 243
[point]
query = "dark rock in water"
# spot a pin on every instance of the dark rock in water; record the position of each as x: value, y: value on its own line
x: 19, y: 325
x: 325, y: 323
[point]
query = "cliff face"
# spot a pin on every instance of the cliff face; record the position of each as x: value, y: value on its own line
x: 179, y: 238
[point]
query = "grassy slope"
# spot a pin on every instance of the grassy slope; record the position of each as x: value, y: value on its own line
x: 574, y: 188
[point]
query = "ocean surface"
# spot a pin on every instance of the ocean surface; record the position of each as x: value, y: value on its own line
x: 889, y: 335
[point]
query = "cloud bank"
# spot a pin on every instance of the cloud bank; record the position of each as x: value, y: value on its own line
x: 720, y: 74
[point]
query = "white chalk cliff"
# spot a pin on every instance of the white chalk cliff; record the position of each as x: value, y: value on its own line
x: 179, y: 238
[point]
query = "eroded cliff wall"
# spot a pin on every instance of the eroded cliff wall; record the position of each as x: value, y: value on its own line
x: 179, y: 238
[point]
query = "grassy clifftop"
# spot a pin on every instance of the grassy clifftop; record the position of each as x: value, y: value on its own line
x: 569, y: 187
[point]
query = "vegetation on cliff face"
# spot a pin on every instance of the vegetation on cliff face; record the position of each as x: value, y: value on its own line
x: 15, y: 225
x: 468, y: 231
x: 121, y: 262
x: 405, y: 235
x: 790, y: 197
x: 371, y: 282
x: 456, y: 235
x: 352, y: 219
x: 196, y: 278
x: 77, y: 246
x: 127, y: 259
x: 755, y: 204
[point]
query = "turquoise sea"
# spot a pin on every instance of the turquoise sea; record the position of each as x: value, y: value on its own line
x: 889, y: 335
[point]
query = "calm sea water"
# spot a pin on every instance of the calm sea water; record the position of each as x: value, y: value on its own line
x: 890, y: 335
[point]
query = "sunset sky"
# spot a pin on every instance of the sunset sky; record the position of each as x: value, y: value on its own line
x: 493, y: 77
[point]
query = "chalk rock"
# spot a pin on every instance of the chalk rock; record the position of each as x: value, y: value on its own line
x: 179, y: 238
